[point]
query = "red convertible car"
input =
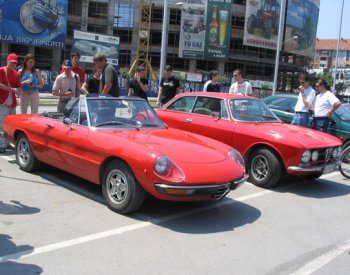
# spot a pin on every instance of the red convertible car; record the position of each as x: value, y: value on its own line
x: 269, y: 146
x: 121, y: 144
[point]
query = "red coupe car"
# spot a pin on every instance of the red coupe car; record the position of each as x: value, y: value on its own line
x: 269, y: 146
x: 121, y: 144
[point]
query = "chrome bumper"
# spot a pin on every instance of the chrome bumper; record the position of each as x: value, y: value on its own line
x: 312, y: 169
x: 218, y: 191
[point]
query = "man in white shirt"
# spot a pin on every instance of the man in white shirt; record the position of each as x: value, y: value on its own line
x: 240, y: 86
x: 305, y: 101
x: 326, y: 103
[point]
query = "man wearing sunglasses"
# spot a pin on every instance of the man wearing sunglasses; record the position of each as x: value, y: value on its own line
x: 305, y: 100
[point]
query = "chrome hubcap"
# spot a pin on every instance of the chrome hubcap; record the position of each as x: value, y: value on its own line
x: 117, y: 186
x: 260, y: 167
x: 23, y: 152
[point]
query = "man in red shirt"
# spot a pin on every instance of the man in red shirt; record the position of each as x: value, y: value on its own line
x: 10, y: 86
x: 75, y: 57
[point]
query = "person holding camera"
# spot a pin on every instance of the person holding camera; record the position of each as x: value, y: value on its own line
x: 31, y: 81
x: 138, y: 86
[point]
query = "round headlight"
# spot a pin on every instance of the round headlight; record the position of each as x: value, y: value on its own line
x: 161, y: 165
x: 237, y: 157
x: 306, y: 156
x: 335, y: 152
x: 314, y: 155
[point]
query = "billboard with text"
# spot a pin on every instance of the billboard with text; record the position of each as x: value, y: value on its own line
x: 34, y: 22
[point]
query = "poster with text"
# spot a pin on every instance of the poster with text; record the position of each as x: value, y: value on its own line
x: 217, y: 42
x: 301, y: 27
x: 88, y: 44
x: 34, y: 22
x: 261, y: 24
x: 192, y: 32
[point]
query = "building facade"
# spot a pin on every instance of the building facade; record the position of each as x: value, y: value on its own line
x: 121, y: 18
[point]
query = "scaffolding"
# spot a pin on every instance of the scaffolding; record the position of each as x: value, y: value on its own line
x: 143, y: 39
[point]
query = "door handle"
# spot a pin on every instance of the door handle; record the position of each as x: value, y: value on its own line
x: 188, y: 120
x: 49, y: 125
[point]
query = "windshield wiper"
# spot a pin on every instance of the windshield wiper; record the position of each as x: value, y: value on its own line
x: 113, y: 122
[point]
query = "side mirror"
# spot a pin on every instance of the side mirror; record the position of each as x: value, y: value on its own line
x: 67, y: 121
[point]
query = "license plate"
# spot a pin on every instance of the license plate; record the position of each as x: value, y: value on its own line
x: 329, y: 168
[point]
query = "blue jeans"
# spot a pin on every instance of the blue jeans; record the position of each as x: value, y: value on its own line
x: 320, y: 123
x: 301, y: 119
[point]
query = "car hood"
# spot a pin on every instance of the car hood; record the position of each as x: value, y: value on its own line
x: 180, y: 145
x: 289, y: 134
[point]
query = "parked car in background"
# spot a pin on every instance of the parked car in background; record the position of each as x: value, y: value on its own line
x: 269, y: 146
x: 121, y: 144
x: 283, y: 106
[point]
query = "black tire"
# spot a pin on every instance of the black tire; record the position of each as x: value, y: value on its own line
x: 120, y: 189
x: 251, y: 24
x: 346, y: 156
x: 24, y: 154
x: 264, y: 168
x: 344, y: 166
x: 312, y: 176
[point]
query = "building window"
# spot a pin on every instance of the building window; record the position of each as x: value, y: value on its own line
x: 125, y: 36
x: 157, y: 15
x: 173, y: 39
x: 156, y: 37
x: 74, y: 7
x: 43, y: 57
x: 20, y: 50
x: 98, y: 10
x: 123, y: 15
x: 175, y: 16
x: 71, y: 27
x: 100, y: 29
x: 124, y: 58
x: 205, y: 65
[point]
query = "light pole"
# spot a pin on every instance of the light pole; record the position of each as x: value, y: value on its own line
x: 163, y: 49
x: 336, y: 55
x: 279, y: 44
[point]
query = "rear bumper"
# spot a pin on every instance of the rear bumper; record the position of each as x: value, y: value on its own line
x: 218, y: 191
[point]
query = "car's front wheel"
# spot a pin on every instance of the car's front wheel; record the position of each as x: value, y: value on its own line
x: 264, y: 168
x: 24, y: 154
x: 120, y: 189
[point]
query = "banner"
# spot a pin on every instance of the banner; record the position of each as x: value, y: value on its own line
x: 217, y: 42
x: 261, y: 24
x: 88, y: 44
x: 34, y: 22
x: 301, y: 27
x: 192, y: 32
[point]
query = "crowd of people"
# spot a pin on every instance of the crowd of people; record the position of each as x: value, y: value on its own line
x: 26, y: 81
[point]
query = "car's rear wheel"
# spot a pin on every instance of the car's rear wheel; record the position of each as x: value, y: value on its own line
x: 24, y: 154
x: 120, y: 189
x: 264, y: 168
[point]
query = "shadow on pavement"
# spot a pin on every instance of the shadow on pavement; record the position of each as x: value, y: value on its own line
x: 17, y: 208
x: 10, y: 251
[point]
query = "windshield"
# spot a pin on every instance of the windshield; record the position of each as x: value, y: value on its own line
x: 122, y: 113
x: 251, y: 110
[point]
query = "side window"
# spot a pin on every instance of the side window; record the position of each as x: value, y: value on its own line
x: 183, y: 104
x: 210, y: 106
x: 72, y: 110
x: 83, y: 115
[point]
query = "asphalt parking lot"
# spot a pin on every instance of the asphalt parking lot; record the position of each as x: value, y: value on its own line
x: 54, y: 223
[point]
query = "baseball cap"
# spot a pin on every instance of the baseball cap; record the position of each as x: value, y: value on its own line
x: 168, y: 68
x: 67, y: 64
x: 12, y: 57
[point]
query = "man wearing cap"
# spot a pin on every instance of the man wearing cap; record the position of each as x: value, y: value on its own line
x: 74, y: 58
x: 10, y: 86
x: 169, y: 86
x: 66, y: 86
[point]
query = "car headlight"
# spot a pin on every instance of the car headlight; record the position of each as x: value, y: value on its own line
x: 162, y: 165
x: 237, y: 157
x: 306, y: 156
x: 165, y: 168
x: 314, y: 155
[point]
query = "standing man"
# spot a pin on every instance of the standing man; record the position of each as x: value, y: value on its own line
x: 138, y: 86
x: 305, y: 100
x: 326, y: 103
x: 212, y: 85
x: 92, y: 85
x: 169, y: 86
x: 109, y: 78
x: 66, y: 85
x: 10, y: 86
x: 240, y: 86
x: 75, y: 58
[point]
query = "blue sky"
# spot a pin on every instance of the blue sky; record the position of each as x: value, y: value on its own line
x: 329, y: 19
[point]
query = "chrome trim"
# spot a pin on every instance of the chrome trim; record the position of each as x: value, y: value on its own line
x: 311, y: 169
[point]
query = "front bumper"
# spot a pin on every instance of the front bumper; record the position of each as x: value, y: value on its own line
x: 313, y: 169
x: 218, y: 191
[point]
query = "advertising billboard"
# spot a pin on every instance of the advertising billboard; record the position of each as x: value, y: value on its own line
x: 261, y: 24
x: 34, y: 22
x: 192, y: 33
x: 88, y: 44
x: 301, y: 27
x: 217, y: 42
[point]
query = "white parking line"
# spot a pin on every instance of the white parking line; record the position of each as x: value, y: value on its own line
x: 323, y: 259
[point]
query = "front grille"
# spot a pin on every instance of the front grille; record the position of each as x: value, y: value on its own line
x: 222, y: 191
